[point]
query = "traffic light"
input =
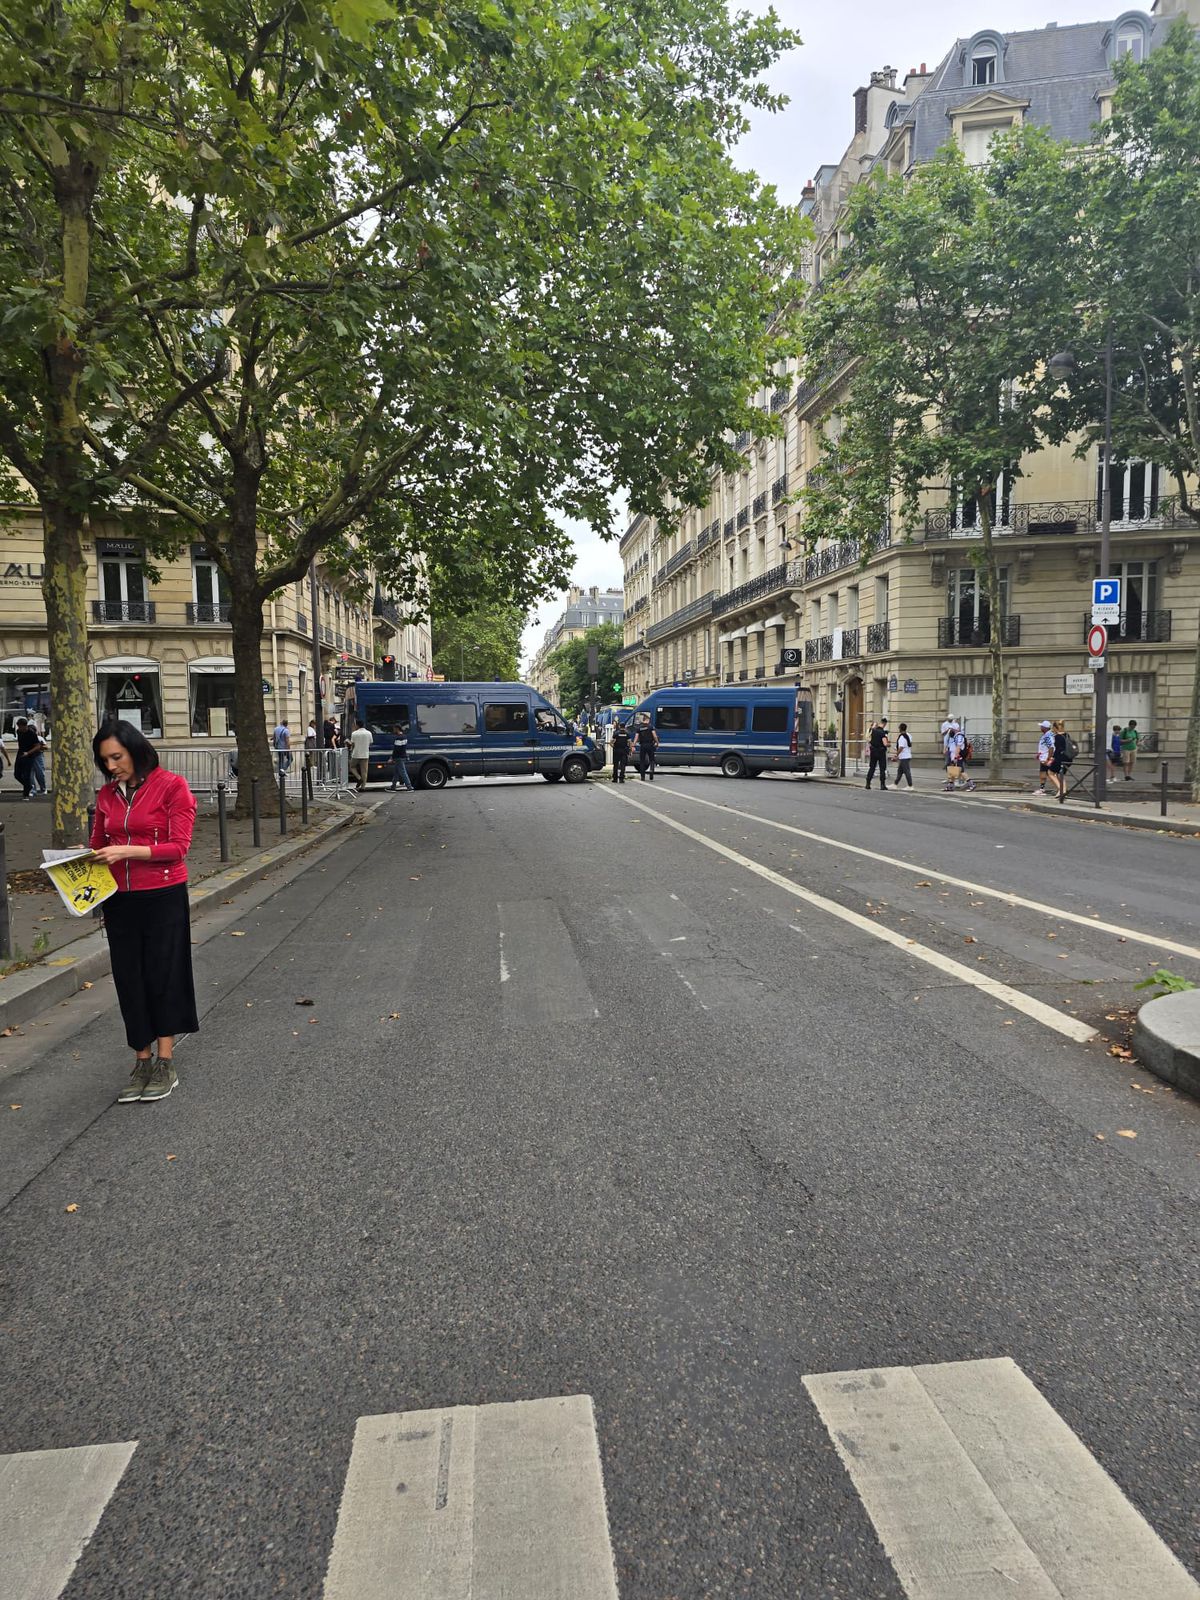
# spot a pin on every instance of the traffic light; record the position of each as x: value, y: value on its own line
x: 387, y: 669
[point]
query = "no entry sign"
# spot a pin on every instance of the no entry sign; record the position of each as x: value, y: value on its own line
x: 1097, y: 639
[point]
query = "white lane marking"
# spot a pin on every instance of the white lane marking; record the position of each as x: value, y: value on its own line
x: 1056, y: 914
x: 504, y: 972
x: 541, y: 978
x: 50, y: 1503
x: 978, y: 1489
x: 1037, y: 1009
x: 475, y: 1501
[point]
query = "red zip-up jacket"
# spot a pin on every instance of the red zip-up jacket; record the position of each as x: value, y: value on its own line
x: 160, y: 813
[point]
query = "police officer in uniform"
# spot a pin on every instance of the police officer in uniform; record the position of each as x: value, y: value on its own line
x: 620, y: 750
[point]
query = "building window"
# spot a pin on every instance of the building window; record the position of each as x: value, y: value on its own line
x: 975, y: 139
x: 1139, y: 597
x: 964, y: 509
x: 130, y: 691
x: 122, y: 589
x: 983, y: 65
x: 210, y: 698
x: 209, y: 590
x: 967, y: 603
x: 1130, y: 41
x: 24, y: 691
x: 1135, y: 490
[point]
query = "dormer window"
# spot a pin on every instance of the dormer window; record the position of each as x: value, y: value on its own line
x: 983, y: 59
x: 1131, y: 41
x: 983, y: 65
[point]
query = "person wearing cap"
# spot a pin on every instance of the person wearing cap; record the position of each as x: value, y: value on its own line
x: 1045, y: 754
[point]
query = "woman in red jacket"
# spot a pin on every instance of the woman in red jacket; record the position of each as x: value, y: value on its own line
x: 142, y: 830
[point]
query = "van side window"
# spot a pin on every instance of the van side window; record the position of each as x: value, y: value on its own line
x: 548, y: 721
x: 770, y: 719
x: 722, y: 719
x: 673, y: 717
x: 386, y: 718
x: 447, y: 717
x: 506, y: 717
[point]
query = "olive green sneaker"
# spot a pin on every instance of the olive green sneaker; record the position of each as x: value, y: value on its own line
x: 137, y: 1083
x: 161, y: 1081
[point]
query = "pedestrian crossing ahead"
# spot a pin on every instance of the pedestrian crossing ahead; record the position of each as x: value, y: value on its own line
x: 976, y: 1488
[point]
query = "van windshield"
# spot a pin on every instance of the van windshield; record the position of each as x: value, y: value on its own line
x: 547, y: 721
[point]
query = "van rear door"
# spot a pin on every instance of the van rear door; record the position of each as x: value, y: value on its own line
x: 803, y: 746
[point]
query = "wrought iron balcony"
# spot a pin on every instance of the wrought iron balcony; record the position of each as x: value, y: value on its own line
x: 679, y: 559
x: 703, y: 607
x: 123, y: 610
x: 638, y: 605
x: 207, y: 611
x: 742, y: 440
x: 850, y: 642
x: 779, y: 489
x: 637, y: 648
x: 1137, y: 627
x: 878, y: 634
x: 829, y: 369
x: 760, y: 672
x: 1063, y: 517
x: 847, y: 553
x: 760, y: 506
x: 780, y: 398
x: 729, y: 527
x: 301, y: 622
x: 766, y: 583
x: 743, y: 517
x: 743, y: 675
x: 954, y: 632
x: 819, y: 649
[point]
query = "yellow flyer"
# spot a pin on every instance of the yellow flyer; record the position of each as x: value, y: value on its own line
x: 83, y: 882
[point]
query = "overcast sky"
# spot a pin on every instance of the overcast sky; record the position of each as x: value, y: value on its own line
x: 842, y: 45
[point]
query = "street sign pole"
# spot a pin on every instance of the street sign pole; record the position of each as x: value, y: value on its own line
x: 1101, y: 737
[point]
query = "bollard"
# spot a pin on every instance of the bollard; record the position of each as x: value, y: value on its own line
x: 1162, y: 799
x: 282, y: 804
x: 304, y: 798
x: 308, y: 779
x: 222, y: 822
x: 255, y: 814
x: 5, y: 924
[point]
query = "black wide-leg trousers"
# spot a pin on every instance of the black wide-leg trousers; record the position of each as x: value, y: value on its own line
x: 150, y: 943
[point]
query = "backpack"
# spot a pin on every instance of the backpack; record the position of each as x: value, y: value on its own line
x: 1071, y: 749
x: 968, y: 749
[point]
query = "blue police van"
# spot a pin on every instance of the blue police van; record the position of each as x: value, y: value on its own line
x: 741, y: 731
x: 469, y: 730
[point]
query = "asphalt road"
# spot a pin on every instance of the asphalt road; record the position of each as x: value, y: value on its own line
x: 589, y: 1101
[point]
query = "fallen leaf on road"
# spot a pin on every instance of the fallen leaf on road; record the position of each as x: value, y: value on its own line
x: 172, y: 1158
x: 394, y: 1016
x: 1100, y: 1136
x: 924, y: 884
x: 17, y: 1107
x: 87, y: 985
x: 1052, y: 936
x: 72, y: 1207
x: 237, y: 934
x: 970, y: 939
x: 1007, y: 1023
x: 305, y: 1001
x: 312, y: 1021
x: 1126, y: 1133
x: 415, y: 879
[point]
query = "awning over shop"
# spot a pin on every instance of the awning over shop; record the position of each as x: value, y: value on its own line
x: 126, y: 664
x: 25, y: 664
x: 211, y: 664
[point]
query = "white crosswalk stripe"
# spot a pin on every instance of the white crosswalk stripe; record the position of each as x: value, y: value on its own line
x: 979, y: 1490
x: 475, y: 1501
x: 50, y: 1503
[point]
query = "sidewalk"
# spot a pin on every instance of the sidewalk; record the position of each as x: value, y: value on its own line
x: 41, y: 923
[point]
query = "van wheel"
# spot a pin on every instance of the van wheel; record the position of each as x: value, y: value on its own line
x: 733, y: 766
x: 552, y: 777
x: 575, y: 771
x: 434, y: 775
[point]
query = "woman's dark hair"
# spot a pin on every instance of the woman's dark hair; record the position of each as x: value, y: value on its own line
x: 133, y: 741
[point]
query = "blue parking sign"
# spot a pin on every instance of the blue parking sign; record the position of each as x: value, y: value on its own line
x: 1106, y: 591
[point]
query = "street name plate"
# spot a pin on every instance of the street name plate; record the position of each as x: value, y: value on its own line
x: 1078, y: 683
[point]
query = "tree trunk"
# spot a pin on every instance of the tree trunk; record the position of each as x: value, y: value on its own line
x: 72, y: 723
x: 254, y: 751
x: 991, y: 578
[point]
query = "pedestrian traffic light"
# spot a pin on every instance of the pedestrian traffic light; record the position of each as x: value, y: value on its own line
x: 387, y: 669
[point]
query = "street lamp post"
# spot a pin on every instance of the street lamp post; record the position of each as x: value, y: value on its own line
x: 1061, y: 364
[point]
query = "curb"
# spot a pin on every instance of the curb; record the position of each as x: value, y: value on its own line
x: 1166, y: 1039
x: 1080, y: 813
x: 26, y: 994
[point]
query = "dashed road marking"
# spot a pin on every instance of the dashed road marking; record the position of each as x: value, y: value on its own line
x: 50, y: 1503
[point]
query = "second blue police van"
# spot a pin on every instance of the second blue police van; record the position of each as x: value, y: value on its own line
x: 467, y: 730
x: 741, y: 731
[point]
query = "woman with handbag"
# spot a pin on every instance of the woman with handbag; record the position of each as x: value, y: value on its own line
x: 142, y: 831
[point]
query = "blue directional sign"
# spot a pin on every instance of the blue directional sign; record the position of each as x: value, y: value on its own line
x: 1106, y: 591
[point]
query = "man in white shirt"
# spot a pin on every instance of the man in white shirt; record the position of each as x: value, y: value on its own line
x: 360, y: 753
x: 1045, y: 755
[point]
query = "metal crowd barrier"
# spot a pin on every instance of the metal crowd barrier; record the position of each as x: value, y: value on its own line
x: 204, y: 769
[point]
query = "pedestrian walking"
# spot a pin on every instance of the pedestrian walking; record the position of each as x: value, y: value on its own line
x: 142, y: 830
x: 400, y: 757
x: 1130, y: 739
x: 28, y: 769
x: 1045, y: 753
x: 903, y: 756
x: 620, y: 751
x: 956, y: 756
x: 877, y: 745
x: 282, y: 740
x: 360, y: 755
x: 1114, y: 751
x: 329, y: 732
x: 1060, y: 759
x: 645, y: 743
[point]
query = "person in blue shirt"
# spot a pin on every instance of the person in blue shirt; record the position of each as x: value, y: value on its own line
x: 1114, y: 751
